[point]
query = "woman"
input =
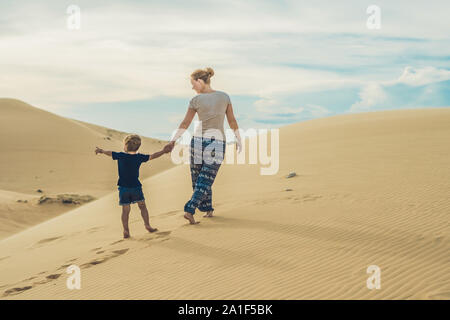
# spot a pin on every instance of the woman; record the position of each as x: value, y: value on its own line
x: 211, y: 106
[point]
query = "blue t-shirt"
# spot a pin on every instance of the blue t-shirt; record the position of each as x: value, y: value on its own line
x: 129, y: 165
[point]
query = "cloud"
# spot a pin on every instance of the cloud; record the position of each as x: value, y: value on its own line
x: 317, y: 111
x: 126, y: 52
x: 298, y: 60
x: 371, y: 95
x: 272, y: 111
x: 423, y: 76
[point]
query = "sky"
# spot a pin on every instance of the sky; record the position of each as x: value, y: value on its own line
x: 128, y: 64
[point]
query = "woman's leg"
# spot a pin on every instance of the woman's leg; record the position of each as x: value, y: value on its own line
x: 206, y: 204
x: 195, y: 161
x: 203, y: 175
x: 195, y: 170
x: 202, y: 188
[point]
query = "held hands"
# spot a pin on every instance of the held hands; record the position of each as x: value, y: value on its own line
x: 169, y: 147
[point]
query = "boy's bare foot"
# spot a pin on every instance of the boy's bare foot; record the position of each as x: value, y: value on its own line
x: 150, y: 229
x: 190, y: 217
x: 209, y: 214
x: 126, y: 234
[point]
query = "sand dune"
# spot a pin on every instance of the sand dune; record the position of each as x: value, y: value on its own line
x: 371, y: 189
x: 43, y: 151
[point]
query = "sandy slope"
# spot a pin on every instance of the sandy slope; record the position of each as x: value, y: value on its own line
x: 40, y: 150
x: 371, y: 188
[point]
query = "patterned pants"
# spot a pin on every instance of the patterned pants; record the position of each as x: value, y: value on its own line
x: 206, y: 157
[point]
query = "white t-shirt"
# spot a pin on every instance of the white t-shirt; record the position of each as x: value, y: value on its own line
x: 211, y: 108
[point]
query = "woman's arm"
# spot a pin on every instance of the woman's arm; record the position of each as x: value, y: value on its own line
x: 234, y: 126
x: 183, y: 126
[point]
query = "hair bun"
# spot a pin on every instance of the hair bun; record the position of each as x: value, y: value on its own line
x: 210, y: 71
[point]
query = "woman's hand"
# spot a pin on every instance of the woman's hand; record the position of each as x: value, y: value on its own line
x: 238, y: 146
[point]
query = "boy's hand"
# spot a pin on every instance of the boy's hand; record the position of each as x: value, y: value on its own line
x: 98, y: 150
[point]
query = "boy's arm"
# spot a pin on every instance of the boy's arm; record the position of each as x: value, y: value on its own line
x: 157, y: 154
x: 99, y: 150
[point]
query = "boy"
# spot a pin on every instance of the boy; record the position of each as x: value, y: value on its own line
x: 130, y: 188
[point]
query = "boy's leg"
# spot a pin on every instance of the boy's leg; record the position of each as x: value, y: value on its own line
x: 125, y: 215
x: 144, y: 214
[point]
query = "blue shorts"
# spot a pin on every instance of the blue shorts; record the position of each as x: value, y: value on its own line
x: 130, y: 195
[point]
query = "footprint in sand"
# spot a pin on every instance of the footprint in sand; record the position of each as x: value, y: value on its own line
x: 160, y: 235
x: 306, y: 197
x: 171, y: 213
x: 100, y: 260
x: 49, y: 278
x: 163, y: 234
x: 311, y: 197
x: 15, y: 291
x: 64, y: 266
x: 93, y: 263
x: 46, y: 240
x: 120, y: 252
x: 54, y: 276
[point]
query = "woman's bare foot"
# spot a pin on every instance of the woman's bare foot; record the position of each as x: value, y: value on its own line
x: 190, y: 217
x: 150, y: 229
x: 126, y: 234
x: 209, y: 214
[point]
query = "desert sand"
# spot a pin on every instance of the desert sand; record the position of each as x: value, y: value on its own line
x: 44, y: 152
x: 371, y: 189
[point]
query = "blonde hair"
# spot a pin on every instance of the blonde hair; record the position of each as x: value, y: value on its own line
x: 132, y: 142
x: 204, y: 74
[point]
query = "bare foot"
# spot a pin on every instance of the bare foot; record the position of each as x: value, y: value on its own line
x: 209, y: 214
x: 150, y: 229
x: 126, y: 234
x: 190, y: 217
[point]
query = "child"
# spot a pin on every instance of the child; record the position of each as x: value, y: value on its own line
x: 130, y: 188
